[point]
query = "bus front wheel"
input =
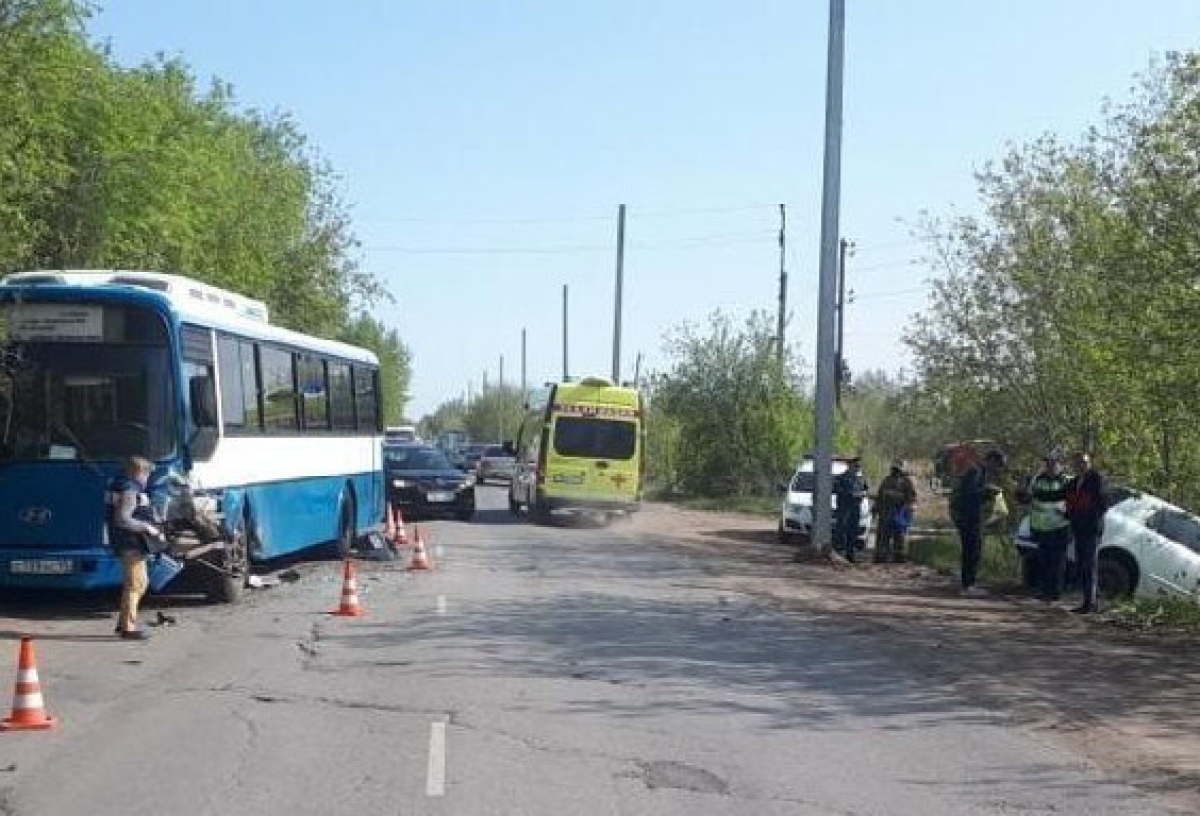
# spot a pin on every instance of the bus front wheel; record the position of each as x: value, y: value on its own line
x: 233, y: 565
x: 346, y: 533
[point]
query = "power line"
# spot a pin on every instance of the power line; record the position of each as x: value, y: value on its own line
x: 562, y: 219
x: 727, y: 239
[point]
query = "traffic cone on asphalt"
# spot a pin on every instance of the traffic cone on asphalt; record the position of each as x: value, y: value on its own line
x: 389, y: 524
x: 350, y: 607
x: 401, y: 533
x: 28, y: 711
x: 420, y: 559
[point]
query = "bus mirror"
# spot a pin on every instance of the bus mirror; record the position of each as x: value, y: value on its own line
x: 204, y: 402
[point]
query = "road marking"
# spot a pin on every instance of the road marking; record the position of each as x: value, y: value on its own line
x: 441, y: 604
x: 439, y: 551
x: 435, y: 784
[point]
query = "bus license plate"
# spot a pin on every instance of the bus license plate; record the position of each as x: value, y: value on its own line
x: 440, y: 497
x: 42, y: 566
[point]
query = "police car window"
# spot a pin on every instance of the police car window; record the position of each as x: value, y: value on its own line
x: 1178, y: 526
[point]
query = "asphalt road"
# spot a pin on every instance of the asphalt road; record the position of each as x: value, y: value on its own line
x: 537, y: 670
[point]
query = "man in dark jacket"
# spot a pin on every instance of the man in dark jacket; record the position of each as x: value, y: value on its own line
x: 971, y: 491
x: 849, y: 489
x: 1085, y: 509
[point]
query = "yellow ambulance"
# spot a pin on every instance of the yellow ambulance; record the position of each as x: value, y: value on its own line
x: 580, y: 449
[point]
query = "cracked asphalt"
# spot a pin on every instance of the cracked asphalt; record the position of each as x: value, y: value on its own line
x: 537, y: 670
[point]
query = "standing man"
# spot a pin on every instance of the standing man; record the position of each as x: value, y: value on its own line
x: 1085, y: 510
x: 127, y: 514
x: 971, y: 492
x: 1048, y: 524
x: 849, y: 489
x: 893, y: 508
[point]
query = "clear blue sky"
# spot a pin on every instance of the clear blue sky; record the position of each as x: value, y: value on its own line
x: 484, y: 147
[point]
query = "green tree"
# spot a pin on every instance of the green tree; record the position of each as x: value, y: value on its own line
x: 395, y: 362
x: 727, y: 418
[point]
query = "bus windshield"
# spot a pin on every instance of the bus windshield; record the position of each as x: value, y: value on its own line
x: 101, y: 397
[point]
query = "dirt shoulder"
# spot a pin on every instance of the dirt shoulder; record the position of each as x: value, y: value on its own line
x: 1124, y: 700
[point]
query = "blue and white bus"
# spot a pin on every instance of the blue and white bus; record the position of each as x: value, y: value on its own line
x: 277, y: 430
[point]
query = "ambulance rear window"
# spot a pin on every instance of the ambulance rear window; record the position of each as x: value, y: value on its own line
x: 587, y: 438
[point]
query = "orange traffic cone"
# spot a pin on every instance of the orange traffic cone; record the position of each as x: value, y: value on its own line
x: 28, y: 711
x: 420, y: 559
x: 401, y: 538
x: 350, y: 607
x: 389, y: 522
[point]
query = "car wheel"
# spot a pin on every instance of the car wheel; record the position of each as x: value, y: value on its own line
x: 1116, y: 575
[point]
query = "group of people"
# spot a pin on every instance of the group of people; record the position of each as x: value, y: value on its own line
x: 1063, y: 507
x: 892, y: 511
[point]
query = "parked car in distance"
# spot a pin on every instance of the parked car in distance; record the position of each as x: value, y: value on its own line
x: 471, y: 454
x: 796, y: 515
x: 421, y: 482
x: 1149, y: 548
x: 495, y: 463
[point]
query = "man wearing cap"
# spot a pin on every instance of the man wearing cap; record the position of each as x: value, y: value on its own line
x: 1049, y: 526
x: 893, y: 511
x: 849, y: 489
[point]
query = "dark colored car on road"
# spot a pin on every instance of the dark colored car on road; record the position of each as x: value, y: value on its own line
x: 422, y: 483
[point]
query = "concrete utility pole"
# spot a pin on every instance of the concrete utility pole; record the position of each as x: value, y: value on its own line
x: 827, y: 290
x: 566, y: 369
x: 616, y: 361
x: 501, y: 404
x: 845, y: 248
x: 779, y: 343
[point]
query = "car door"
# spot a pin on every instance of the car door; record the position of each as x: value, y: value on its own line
x: 1172, y: 553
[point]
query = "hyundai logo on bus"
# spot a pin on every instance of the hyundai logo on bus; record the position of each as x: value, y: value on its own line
x: 35, y: 515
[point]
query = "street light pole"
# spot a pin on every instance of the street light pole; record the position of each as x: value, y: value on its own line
x: 827, y: 288
x: 616, y: 361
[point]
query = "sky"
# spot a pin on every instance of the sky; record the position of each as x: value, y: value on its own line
x: 483, y: 148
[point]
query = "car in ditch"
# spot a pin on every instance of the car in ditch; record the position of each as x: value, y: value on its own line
x: 1150, y: 548
x: 422, y: 483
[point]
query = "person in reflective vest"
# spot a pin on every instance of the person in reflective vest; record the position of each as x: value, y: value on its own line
x: 130, y: 526
x: 1048, y: 524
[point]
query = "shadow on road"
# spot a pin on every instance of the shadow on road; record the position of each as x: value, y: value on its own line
x: 898, y: 655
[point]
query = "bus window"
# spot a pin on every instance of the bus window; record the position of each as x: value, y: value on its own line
x: 314, y: 393
x: 92, y: 397
x: 279, y: 389
x: 341, y: 397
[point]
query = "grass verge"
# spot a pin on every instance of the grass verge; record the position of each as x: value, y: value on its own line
x: 999, y: 566
x: 765, y: 506
x: 1176, y: 614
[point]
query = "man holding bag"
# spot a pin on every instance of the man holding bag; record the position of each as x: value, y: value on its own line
x: 893, y: 510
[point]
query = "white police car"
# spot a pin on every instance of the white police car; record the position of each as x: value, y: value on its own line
x: 796, y: 515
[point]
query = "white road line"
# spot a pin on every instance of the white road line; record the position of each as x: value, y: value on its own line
x: 441, y: 604
x: 435, y: 784
x: 439, y: 551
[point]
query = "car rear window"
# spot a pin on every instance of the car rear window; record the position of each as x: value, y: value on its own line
x: 595, y: 438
